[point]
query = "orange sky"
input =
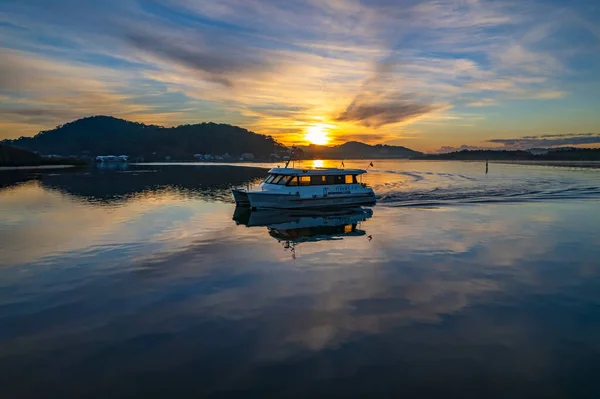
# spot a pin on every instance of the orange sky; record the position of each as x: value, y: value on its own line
x: 419, y: 73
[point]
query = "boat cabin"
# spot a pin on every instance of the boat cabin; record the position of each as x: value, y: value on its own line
x: 312, y: 177
x: 288, y: 188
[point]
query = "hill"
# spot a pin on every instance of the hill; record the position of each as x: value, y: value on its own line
x: 358, y: 150
x: 574, y: 154
x: 562, y: 154
x: 102, y: 135
x: 481, y: 155
x: 13, y: 156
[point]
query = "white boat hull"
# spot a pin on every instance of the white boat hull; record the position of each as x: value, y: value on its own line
x: 263, y: 200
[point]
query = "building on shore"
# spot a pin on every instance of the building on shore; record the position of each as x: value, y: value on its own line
x: 112, y: 158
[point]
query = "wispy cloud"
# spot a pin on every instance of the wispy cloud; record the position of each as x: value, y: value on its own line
x: 381, y: 101
x: 42, y: 93
x: 221, y: 61
x: 376, y: 111
x: 548, y: 140
x: 484, y: 102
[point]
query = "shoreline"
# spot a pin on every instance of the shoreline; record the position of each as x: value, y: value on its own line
x: 38, y: 167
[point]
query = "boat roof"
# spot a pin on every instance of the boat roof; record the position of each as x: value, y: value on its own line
x: 316, y: 171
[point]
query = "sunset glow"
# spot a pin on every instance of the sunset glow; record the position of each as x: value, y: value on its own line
x: 317, y: 135
x: 426, y: 74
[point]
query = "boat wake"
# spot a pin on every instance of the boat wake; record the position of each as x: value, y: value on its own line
x: 414, y: 189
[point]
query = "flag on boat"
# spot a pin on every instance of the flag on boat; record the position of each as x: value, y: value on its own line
x: 371, y: 164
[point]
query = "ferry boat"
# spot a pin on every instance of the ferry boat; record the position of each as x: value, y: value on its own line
x: 290, y: 188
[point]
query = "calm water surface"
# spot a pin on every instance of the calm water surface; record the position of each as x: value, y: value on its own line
x: 148, y: 282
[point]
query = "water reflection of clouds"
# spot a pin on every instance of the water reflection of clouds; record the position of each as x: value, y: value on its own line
x: 433, y: 288
x: 69, y: 224
x: 396, y: 280
x: 165, y: 281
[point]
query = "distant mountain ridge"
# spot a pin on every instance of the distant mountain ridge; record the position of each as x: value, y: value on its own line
x: 103, y: 135
x: 358, y: 150
x: 554, y: 154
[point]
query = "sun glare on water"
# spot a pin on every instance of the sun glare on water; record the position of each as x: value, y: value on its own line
x: 316, y: 134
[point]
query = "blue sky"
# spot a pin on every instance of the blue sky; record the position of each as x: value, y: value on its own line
x: 424, y: 74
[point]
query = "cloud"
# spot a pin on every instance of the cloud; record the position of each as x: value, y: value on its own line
x: 41, y: 92
x: 527, y: 142
x: 381, y: 100
x: 545, y: 136
x: 215, y: 63
x: 34, y: 112
x: 516, y: 57
x: 549, y: 95
x: 484, y: 102
x: 551, y: 140
x: 376, y: 112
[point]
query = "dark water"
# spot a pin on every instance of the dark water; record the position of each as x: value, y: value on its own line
x: 147, y: 282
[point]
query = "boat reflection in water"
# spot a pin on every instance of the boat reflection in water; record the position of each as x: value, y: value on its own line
x: 292, y: 227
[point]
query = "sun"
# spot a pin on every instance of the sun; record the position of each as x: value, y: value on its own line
x: 316, y: 134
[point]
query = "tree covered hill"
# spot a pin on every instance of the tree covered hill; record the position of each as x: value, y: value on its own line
x: 102, y: 135
x: 15, y: 156
x: 12, y: 156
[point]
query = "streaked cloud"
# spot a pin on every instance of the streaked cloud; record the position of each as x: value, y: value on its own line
x: 376, y: 112
x: 527, y: 142
x: 484, y: 102
x: 381, y: 102
x: 549, y: 95
x: 549, y: 140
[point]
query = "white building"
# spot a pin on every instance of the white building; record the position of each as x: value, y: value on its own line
x: 112, y: 158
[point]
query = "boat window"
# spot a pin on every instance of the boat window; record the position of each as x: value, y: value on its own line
x: 304, y: 180
x: 269, y: 178
x: 277, y: 179
x: 314, y: 180
x: 338, y: 179
x: 293, y: 181
x: 318, y: 180
x: 332, y: 179
x: 284, y: 180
